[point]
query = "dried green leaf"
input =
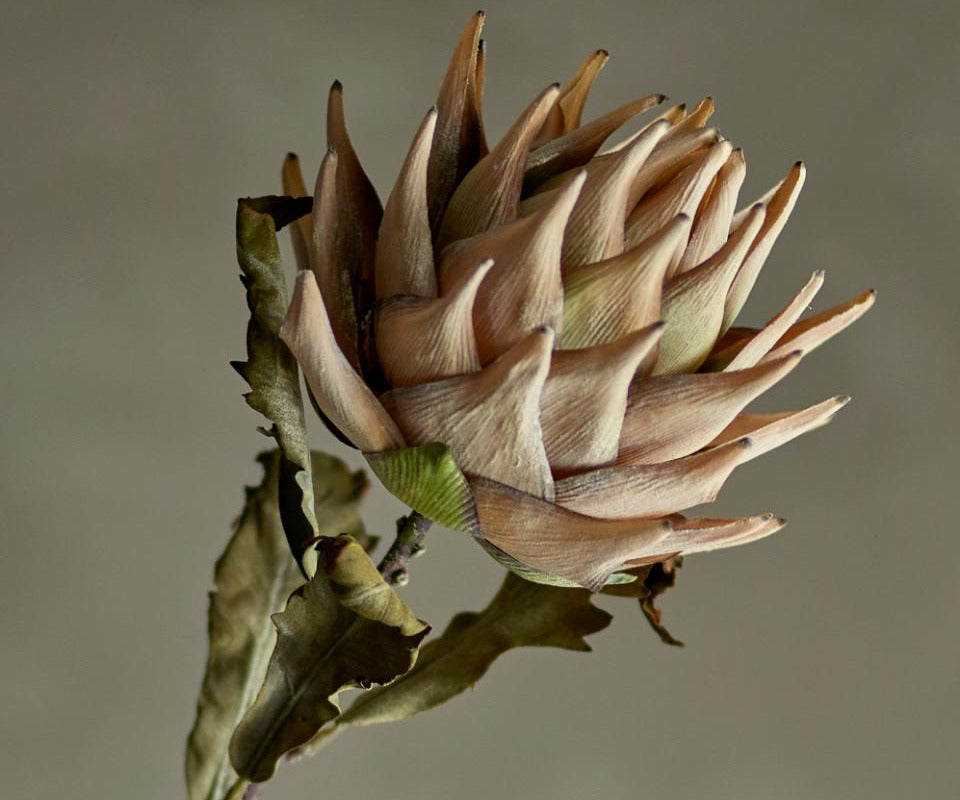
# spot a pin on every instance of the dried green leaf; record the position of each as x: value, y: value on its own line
x: 253, y: 579
x: 522, y: 614
x: 271, y: 369
x: 345, y: 628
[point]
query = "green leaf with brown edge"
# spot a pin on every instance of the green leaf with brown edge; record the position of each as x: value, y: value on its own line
x: 253, y: 579
x: 522, y: 614
x: 345, y: 628
x: 270, y: 368
x: 652, y: 581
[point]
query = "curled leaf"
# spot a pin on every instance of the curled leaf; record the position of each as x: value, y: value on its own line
x: 345, y: 628
x: 253, y: 578
x: 522, y: 614
x: 270, y: 368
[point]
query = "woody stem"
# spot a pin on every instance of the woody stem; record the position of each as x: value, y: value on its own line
x: 411, y: 531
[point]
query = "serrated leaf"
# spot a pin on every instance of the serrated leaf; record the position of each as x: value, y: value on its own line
x: 271, y: 369
x: 345, y: 628
x: 428, y: 480
x: 253, y: 579
x: 522, y: 614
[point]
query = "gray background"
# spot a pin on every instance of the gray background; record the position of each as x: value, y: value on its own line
x: 822, y: 663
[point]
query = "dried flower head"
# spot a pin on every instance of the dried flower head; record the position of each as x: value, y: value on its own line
x: 533, y: 343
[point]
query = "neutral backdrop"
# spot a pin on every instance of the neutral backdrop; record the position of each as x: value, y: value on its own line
x: 822, y: 663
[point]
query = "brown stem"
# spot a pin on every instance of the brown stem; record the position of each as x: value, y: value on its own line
x: 411, y: 531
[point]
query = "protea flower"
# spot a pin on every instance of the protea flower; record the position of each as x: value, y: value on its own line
x: 534, y: 342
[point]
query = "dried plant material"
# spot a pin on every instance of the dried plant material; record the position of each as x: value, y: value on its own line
x: 338, y: 389
x: 652, y: 490
x: 566, y: 113
x: 779, y: 204
x: 358, y: 208
x: 489, y: 193
x: 580, y: 549
x: 420, y: 340
x: 600, y: 377
x: 291, y: 178
x: 519, y: 368
x: 404, y: 258
x: 576, y: 147
x: 458, y: 141
x: 671, y: 416
x: 651, y: 582
x: 270, y: 368
x: 253, y: 578
x: 769, y: 431
x: 692, y: 303
x: 345, y: 628
x: 522, y: 614
x: 524, y: 290
x: 428, y: 479
x: 489, y: 419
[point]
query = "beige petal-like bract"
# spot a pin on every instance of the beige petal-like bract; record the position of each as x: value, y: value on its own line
x: 358, y: 208
x: 338, y: 389
x: 547, y: 163
x: 670, y: 416
x: 567, y: 111
x: 420, y: 340
x: 693, y: 302
x: 769, y: 431
x: 701, y: 534
x: 458, y: 142
x: 488, y: 195
x: 814, y: 331
x: 490, y: 419
x: 652, y: 490
x: 333, y: 277
x: 595, y: 379
x: 404, y: 260
x: 682, y: 195
x: 712, y: 224
x: 779, y: 205
x: 595, y: 230
x: 556, y: 541
x: 757, y: 347
x: 549, y: 322
x: 609, y: 299
x: 524, y: 289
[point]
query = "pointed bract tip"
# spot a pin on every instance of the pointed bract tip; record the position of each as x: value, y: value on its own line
x: 480, y: 13
x: 758, y: 206
x: 291, y: 156
x: 781, y: 521
x: 798, y: 165
x: 745, y: 442
x: 767, y: 517
x: 602, y: 52
x: 661, y: 98
x: 659, y: 326
x: 819, y: 273
x: 336, y: 86
x: 842, y: 399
